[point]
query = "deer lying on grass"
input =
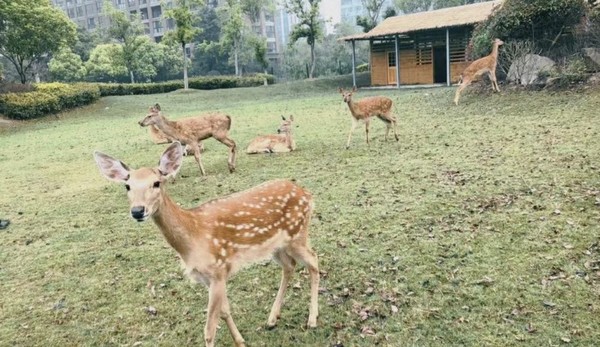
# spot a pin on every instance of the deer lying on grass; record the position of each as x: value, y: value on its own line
x: 217, y: 238
x: 365, y: 109
x: 281, y: 143
x: 190, y: 131
x: 479, y: 67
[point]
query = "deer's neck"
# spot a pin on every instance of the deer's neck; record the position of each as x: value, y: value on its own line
x: 494, y: 53
x: 289, y: 142
x: 353, y: 108
x: 166, y: 126
x: 175, y: 224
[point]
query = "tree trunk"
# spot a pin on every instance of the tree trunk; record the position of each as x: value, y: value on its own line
x: 235, y: 57
x: 131, y: 75
x: 312, y: 61
x: 185, y: 72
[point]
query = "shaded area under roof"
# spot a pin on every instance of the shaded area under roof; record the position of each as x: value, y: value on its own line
x: 437, y: 19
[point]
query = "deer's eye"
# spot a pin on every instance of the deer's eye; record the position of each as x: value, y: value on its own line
x: 127, y: 187
x: 156, y: 184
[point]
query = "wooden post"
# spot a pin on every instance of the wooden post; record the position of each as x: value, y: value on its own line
x: 397, y: 63
x: 448, y: 82
x: 353, y: 64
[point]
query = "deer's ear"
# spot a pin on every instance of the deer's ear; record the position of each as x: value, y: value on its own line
x: 291, y: 118
x: 340, y: 90
x: 111, y: 168
x: 354, y: 89
x: 170, y: 161
x: 282, y: 117
x: 157, y: 107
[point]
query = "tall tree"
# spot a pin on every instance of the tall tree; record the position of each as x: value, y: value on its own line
x: 185, y: 31
x: 253, y: 8
x: 31, y: 30
x: 129, y: 33
x: 308, y: 26
x: 373, y: 9
x: 233, y: 31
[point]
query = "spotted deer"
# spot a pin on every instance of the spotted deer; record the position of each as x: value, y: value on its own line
x: 367, y: 108
x: 280, y: 143
x: 191, y: 131
x: 219, y: 237
x: 479, y: 67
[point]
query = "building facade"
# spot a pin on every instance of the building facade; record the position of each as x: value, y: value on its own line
x: 352, y: 8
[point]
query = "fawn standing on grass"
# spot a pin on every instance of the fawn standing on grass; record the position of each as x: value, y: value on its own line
x: 217, y: 238
x: 281, y: 143
x: 190, y: 131
x: 479, y: 67
x: 367, y: 108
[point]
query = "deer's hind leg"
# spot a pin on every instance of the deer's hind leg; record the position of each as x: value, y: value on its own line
x: 227, y: 141
x: 287, y: 265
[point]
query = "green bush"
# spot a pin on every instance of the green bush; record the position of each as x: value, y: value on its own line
x: 206, y: 83
x: 569, y: 72
x: 362, y: 67
x: 550, y: 24
x: 47, y: 98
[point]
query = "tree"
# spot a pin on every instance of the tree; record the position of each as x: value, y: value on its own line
x: 86, y: 41
x: 31, y: 30
x: 308, y: 26
x: 185, y: 30
x: 253, y: 8
x: 373, y: 8
x: 231, y: 17
x: 106, y: 63
x: 129, y: 33
x: 67, y: 66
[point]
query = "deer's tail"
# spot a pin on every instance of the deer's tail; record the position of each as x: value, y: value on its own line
x: 228, y: 122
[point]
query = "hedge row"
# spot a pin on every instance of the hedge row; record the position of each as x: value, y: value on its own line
x: 46, y: 99
x: 206, y: 83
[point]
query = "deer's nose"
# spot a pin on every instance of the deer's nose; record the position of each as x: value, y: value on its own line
x: 137, y: 212
x: 141, y: 123
x: 279, y: 131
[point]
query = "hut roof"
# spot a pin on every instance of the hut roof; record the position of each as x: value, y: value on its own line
x: 437, y: 19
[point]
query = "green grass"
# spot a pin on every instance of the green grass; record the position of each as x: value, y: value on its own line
x: 479, y: 228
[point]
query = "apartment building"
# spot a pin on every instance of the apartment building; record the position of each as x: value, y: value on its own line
x: 353, y: 8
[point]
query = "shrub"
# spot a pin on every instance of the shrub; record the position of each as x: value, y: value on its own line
x: 569, y: 72
x: 550, y: 24
x: 47, y: 98
x: 206, y: 83
x: 362, y: 67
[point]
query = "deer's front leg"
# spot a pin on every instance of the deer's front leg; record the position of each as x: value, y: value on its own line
x: 354, y: 122
x: 367, y: 121
x: 216, y: 293
x: 196, y: 149
x: 226, y: 315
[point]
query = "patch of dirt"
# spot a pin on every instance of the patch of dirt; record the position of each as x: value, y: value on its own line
x: 7, y: 123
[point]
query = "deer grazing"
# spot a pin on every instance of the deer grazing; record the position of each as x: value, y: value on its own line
x: 479, y: 67
x: 190, y: 131
x: 367, y: 108
x: 281, y: 143
x: 217, y: 238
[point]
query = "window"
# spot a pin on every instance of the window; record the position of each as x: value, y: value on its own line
x: 268, y: 17
x: 156, y: 11
x: 170, y: 24
x: 158, y: 28
x: 80, y: 11
x: 270, y: 31
x: 147, y: 28
x: 142, y: 2
x: 132, y: 3
x: 144, y: 13
x: 271, y: 47
x: 91, y: 23
x: 71, y: 12
x: 121, y: 4
x: 391, y: 59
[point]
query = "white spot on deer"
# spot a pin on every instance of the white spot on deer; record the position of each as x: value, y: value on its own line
x: 223, y: 252
x: 288, y: 215
x: 216, y: 242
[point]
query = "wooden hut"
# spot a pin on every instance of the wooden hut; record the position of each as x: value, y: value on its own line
x: 431, y: 46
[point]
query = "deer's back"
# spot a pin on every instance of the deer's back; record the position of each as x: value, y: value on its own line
x: 479, y: 66
x: 204, y: 126
x: 374, y: 105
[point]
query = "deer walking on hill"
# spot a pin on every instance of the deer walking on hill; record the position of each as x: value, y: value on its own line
x: 217, y: 238
x: 367, y: 108
x: 190, y: 131
x: 281, y: 143
x: 479, y: 67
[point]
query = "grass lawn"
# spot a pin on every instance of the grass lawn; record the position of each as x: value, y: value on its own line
x: 479, y: 228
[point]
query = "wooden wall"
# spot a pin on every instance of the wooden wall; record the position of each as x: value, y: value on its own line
x: 416, y: 56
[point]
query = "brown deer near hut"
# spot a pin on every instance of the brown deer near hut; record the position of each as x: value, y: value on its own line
x: 219, y: 237
x: 367, y: 108
x: 190, y: 131
x: 479, y: 67
x: 281, y: 143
